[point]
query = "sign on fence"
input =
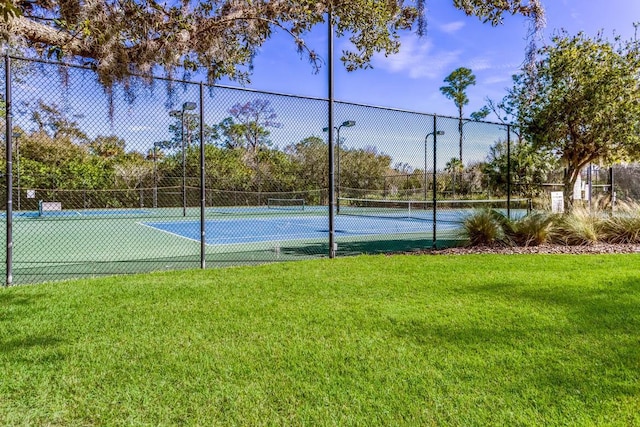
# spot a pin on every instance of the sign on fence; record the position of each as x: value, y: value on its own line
x: 557, y: 202
x: 577, y: 189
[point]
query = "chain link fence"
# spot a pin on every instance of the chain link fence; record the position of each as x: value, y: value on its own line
x: 176, y: 174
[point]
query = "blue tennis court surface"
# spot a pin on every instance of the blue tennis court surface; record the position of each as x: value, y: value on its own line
x: 252, y: 230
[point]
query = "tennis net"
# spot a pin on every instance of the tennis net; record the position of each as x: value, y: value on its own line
x: 286, y: 204
x: 446, y: 210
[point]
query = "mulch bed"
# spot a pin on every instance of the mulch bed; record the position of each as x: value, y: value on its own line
x: 596, y: 248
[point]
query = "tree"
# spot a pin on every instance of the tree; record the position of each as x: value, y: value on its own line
x: 529, y: 168
x: 255, y: 118
x: 364, y: 169
x: 229, y: 134
x: 459, y: 80
x: 247, y: 130
x: 191, y: 132
x: 311, y: 158
x: 108, y: 147
x: 58, y: 122
x: 453, y: 167
x: 120, y: 37
x: 584, y: 107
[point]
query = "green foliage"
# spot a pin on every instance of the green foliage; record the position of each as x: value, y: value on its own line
x: 454, y: 167
x: 225, y: 168
x: 220, y: 36
x: 310, y: 157
x: 491, y: 227
x: 8, y: 10
x: 532, y: 230
x: 254, y: 119
x: 485, y: 228
x: 579, y: 227
x: 582, y: 103
x: 529, y: 168
x: 363, y: 168
x: 57, y: 122
x: 459, y: 80
x: 191, y: 131
x: 108, y: 147
x: 623, y: 227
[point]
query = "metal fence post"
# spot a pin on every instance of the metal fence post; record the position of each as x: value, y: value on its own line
x: 9, y: 171
x: 612, y: 189
x: 203, y: 261
x: 435, y: 196
x: 332, y: 188
x: 509, y: 171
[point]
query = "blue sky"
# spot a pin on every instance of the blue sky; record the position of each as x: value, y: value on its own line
x: 411, y: 79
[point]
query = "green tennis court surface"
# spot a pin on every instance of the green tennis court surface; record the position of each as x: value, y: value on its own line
x: 57, y: 245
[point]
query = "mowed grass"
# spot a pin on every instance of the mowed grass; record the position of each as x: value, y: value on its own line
x: 371, y: 340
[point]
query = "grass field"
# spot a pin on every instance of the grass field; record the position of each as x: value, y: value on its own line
x: 371, y: 340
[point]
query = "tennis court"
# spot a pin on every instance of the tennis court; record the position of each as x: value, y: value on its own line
x: 289, y: 228
x: 75, y: 243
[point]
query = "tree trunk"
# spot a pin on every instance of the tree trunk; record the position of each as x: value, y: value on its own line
x: 569, y: 181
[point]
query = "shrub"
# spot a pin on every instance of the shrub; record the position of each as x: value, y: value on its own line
x: 579, y: 227
x: 623, y: 227
x: 533, y: 229
x: 485, y: 227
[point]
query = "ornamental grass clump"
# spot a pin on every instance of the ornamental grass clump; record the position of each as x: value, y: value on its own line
x: 623, y: 226
x: 579, y: 227
x: 485, y: 228
x: 533, y: 229
x: 492, y: 227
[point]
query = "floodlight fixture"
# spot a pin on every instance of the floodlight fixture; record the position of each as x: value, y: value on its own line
x: 345, y: 124
x: 187, y: 106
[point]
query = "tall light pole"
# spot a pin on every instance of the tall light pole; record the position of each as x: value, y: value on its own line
x: 187, y: 106
x: 16, y: 136
x: 426, y: 139
x: 346, y: 124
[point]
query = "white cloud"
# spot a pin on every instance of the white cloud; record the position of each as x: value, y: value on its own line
x: 496, y: 79
x: 479, y: 64
x: 452, y: 27
x: 417, y: 59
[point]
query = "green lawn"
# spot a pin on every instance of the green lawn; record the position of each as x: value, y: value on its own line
x: 371, y: 340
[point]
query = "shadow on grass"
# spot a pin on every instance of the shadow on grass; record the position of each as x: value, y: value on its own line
x: 15, y: 306
x: 567, y: 343
x: 369, y: 246
x: 16, y: 316
x: 29, y: 343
